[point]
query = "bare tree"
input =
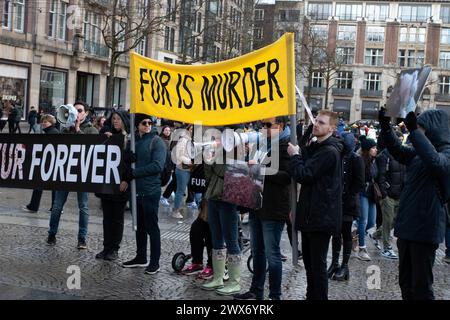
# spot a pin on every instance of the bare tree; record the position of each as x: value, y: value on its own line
x: 125, y: 24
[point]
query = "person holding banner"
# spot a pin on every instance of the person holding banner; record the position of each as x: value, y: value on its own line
x: 150, y: 159
x: 82, y: 126
x: 318, y: 168
x: 113, y: 205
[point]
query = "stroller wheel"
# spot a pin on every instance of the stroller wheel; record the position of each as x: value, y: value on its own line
x: 178, y: 261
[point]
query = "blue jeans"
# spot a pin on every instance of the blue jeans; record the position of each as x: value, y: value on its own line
x: 182, y: 182
x: 367, y: 218
x: 58, y: 205
x: 147, y: 226
x: 223, y: 222
x: 265, y: 236
x: 447, y: 241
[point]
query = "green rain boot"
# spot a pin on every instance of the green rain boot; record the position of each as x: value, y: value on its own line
x: 234, y: 270
x: 218, y: 264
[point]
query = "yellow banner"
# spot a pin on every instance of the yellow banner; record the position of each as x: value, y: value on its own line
x: 255, y: 86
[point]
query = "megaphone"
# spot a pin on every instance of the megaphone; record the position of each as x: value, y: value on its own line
x: 67, y: 115
x: 231, y: 139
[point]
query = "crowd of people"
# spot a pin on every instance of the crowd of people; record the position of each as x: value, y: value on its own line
x: 357, y: 183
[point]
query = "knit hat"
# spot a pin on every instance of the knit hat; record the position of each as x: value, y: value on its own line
x: 367, y: 143
x: 138, y: 117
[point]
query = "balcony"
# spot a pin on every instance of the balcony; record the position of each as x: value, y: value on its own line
x: 96, y: 49
x: 371, y: 93
x: 314, y: 90
x: 442, y: 97
x: 342, y: 92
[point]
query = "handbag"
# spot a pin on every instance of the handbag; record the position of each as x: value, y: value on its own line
x: 376, y: 192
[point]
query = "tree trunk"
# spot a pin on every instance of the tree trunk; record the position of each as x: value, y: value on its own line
x: 327, y: 89
x: 110, y: 82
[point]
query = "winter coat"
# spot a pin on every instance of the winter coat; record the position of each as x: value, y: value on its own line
x: 390, y: 175
x: 51, y: 130
x: 353, y: 166
x: 370, y: 176
x: 214, y: 175
x: 422, y: 213
x: 183, y: 155
x: 277, y: 193
x: 149, y: 163
x: 319, y: 207
x: 32, y: 117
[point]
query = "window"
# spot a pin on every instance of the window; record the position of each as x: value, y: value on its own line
x: 347, y: 33
x: 319, y: 11
x: 259, y: 14
x: 414, y: 13
x: 346, y: 55
x: 282, y: 15
x: 410, y: 58
x: 445, y: 13
x: 347, y: 11
x: 258, y: 33
x: 377, y: 12
x: 372, y: 81
x: 141, y: 47
x: 19, y: 15
x: 7, y: 14
x: 171, y: 11
x: 57, y: 19
x: 444, y: 60
x: 294, y: 15
x: 168, y: 60
x: 199, y: 22
x: 374, y: 57
x: 444, y: 84
x: 375, y: 34
x: 445, y: 36
x: 52, y: 89
x: 344, y: 80
x: 169, y: 39
x: 317, y: 80
x: 412, y: 35
x: 92, y: 35
x: 320, y: 31
x: 217, y: 53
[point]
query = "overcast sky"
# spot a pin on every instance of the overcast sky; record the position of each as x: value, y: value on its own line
x: 267, y: 1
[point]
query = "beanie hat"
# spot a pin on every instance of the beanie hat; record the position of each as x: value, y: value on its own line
x: 367, y: 143
x: 138, y: 117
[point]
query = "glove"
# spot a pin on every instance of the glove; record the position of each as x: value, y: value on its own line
x: 411, y: 121
x: 384, y: 120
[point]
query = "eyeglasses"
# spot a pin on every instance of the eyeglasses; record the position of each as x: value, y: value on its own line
x: 146, y: 123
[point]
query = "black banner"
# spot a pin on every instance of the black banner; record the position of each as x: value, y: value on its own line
x: 66, y: 162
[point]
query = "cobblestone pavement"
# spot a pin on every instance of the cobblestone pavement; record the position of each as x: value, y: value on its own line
x: 29, y: 269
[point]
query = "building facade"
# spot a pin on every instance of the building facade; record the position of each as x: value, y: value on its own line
x: 47, y: 58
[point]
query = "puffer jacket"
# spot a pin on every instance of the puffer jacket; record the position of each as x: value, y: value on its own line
x: 422, y: 212
x: 390, y: 175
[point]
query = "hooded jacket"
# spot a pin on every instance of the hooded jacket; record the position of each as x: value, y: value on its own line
x: 319, y: 171
x: 422, y: 212
x: 150, y: 159
x: 353, y: 176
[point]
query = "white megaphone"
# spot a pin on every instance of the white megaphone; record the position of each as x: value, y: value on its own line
x: 67, y: 115
x: 231, y: 139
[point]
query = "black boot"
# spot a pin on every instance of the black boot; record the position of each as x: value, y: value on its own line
x: 343, y: 273
x: 335, y: 257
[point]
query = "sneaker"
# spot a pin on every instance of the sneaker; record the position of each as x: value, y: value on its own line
x: 135, y: 263
x: 101, y: 255
x: 192, y: 205
x: 81, y: 244
x: 152, y: 269
x: 51, y: 240
x: 164, y: 202
x: 25, y: 208
x: 206, y: 273
x: 245, y: 218
x: 362, y: 255
x: 376, y: 241
x: 193, y: 268
x: 177, y: 215
x: 389, y: 253
x: 111, y: 256
x: 446, y: 259
x: 245, y: 296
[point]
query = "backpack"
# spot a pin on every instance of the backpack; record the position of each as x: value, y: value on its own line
x: 166, y: 173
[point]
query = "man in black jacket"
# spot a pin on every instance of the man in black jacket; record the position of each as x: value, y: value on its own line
x: 390, y: 174
x: 319, y: 209
x: 421, y: 220
x: 267, y: 223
